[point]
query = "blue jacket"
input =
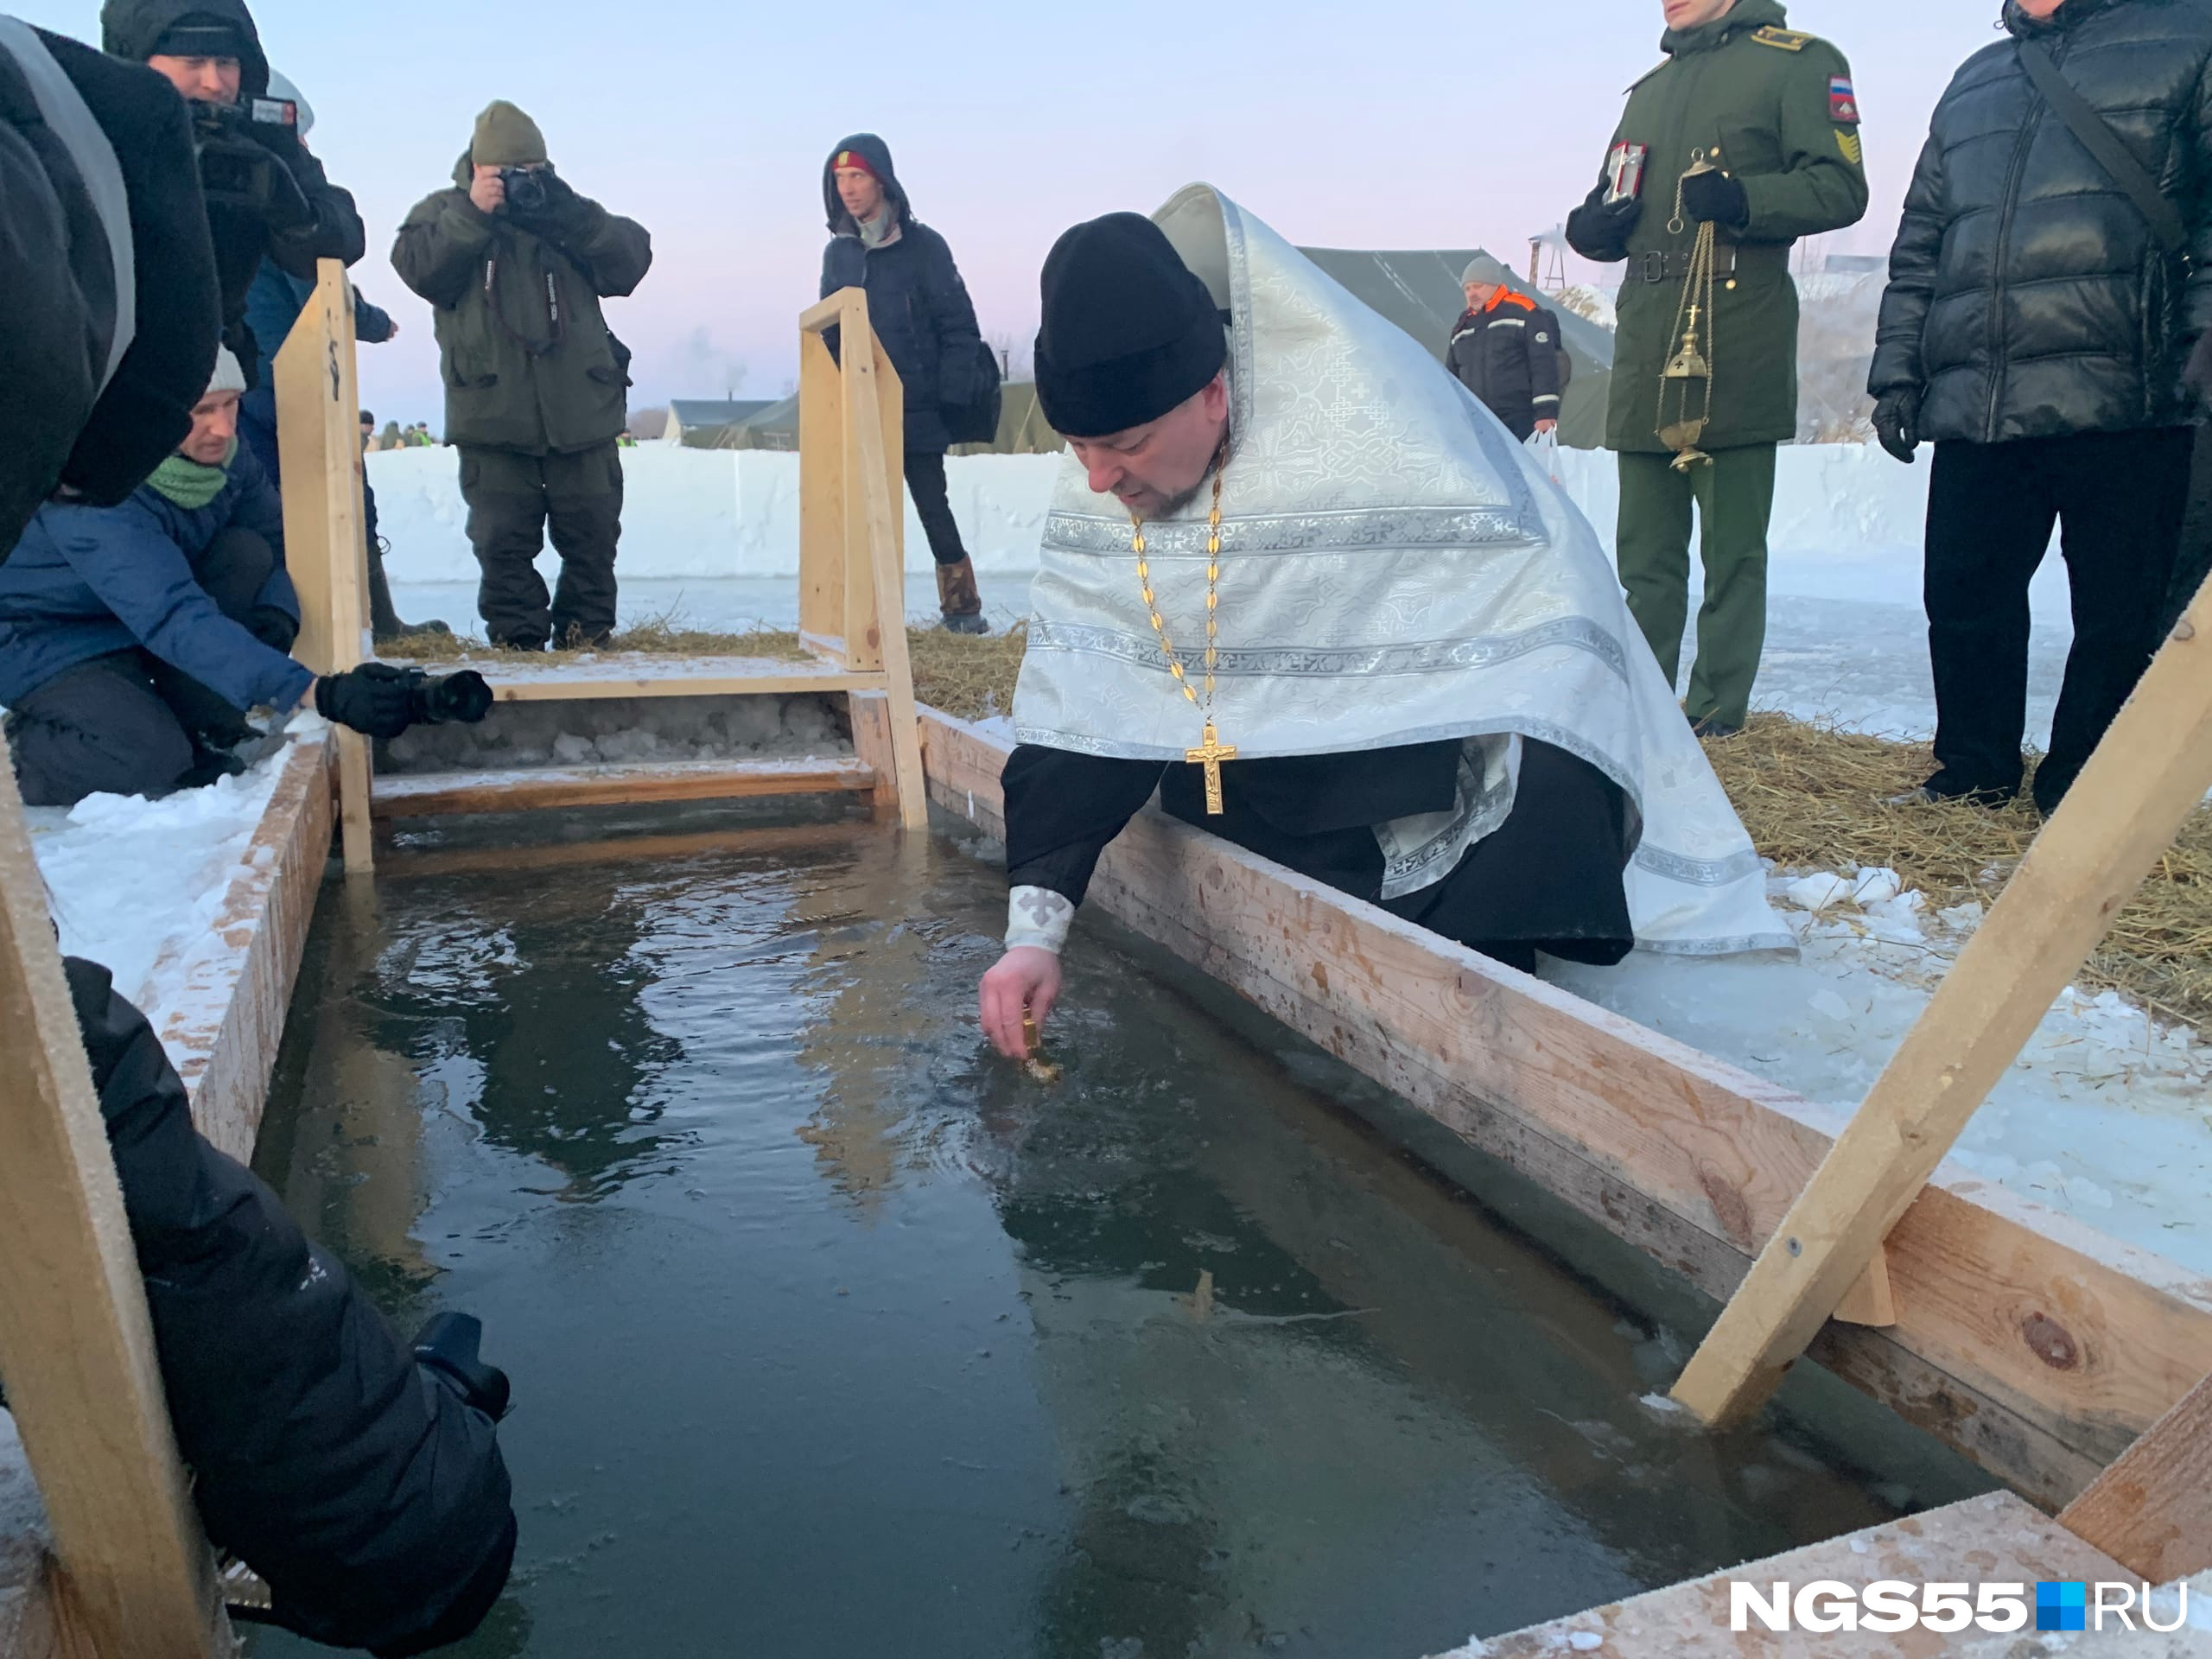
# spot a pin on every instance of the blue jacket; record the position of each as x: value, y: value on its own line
x: 273, y: 304
x: 86, y: 582
x: 916, y: 301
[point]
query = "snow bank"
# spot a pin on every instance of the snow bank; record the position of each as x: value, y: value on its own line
x: 706, y: 514
x: 2106, y: 1116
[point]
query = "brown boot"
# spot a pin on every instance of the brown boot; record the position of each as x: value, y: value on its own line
x: 961, y: 603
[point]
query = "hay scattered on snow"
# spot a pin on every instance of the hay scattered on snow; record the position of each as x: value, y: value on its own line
x: 659, y: 636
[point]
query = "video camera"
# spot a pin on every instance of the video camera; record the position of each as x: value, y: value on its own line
x: 461, y: 699
x: 242, y: 148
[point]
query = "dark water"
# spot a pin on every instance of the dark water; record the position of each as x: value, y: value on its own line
x: 833, y: 1337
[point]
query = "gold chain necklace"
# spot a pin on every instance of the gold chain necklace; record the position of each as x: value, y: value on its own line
x: 1213, y: 751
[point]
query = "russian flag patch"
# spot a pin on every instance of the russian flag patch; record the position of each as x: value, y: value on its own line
x: 1843, y: 102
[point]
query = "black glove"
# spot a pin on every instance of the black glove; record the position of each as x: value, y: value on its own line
x: 277, y: 629
x: 446, y: 1347
x: 559, y: 204
x: 1600, y: 230
x: 1897, y: 421
x: 375, y: 699
x: 1716, y: 198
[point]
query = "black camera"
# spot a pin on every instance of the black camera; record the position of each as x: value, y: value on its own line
x: 240, y: 148
x: 527, y: 191
x: 461, y: 699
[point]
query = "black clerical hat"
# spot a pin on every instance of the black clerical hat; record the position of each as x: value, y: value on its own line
x: 1129, y: 332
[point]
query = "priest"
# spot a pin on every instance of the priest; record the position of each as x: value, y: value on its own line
x: 1299, y: 582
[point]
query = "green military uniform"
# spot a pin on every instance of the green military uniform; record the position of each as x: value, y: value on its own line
x: 536, y: 384
x: 1773, y: 109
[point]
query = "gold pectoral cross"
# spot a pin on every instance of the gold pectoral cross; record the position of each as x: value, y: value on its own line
x: 1210, y: 755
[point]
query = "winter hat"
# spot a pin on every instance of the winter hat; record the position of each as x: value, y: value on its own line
x: 199, y: 35
x: 506, y: 137
x: 1128, y: 332
x: 1486, y: 270
x: 230, y: 375
x: 851, y: 158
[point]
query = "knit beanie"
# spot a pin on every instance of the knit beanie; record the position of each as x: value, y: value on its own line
x: 506, y: 137
x: 1486, y: 270
x: 230, y: 375
x: 1129, y: 332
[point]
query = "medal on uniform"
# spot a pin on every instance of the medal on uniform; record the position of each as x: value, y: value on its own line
x: 1625, y: 173
x: 1686, y: 383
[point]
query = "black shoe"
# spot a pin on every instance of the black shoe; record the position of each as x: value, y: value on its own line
x: 519, y: 642
x: 1944, y: 787
x: 970, y: 624
x: 1712, y: 728
x: 400, y: 631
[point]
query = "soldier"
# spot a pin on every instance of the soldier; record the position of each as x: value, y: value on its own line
x: 1756, y: 126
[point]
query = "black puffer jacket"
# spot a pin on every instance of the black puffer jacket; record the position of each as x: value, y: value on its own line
x: 2027, y: 297
x: 333, y: 229
x: 366, y: 1489
x: 916, y: 300
x: 63, y: 419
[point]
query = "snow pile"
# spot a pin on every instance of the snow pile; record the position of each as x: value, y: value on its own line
x: 2106, y: 1116
x: 137, y: 885
x: 709, y: 514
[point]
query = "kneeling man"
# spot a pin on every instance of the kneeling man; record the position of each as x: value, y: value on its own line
x: 1315, y: 595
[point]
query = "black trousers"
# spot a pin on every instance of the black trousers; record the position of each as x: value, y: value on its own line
x: 2117, y: 500
x: 2194, y: 562
x: 512, y: 498
x: 933, y: 504
x: 129, y: 723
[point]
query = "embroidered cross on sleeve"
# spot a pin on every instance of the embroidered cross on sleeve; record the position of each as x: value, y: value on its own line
x: 1039, y: 919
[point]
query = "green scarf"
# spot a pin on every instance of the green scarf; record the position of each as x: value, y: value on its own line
x: 190, y: 485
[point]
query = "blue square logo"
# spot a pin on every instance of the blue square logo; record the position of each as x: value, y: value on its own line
x: 2062, y: 1605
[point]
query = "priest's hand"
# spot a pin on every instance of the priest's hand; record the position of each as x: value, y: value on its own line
x: 1026, y: 984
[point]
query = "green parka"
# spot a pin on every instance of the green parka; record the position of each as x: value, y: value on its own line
x: 1775, y: 109
x: 527, y: 368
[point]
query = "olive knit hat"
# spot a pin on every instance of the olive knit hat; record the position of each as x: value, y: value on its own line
x: 506, y: 137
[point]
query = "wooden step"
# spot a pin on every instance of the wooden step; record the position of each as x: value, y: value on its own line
x: 646, y: 674
x: 441, y: 794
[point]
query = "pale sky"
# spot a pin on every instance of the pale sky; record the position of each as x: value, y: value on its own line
x: 1392, y: 124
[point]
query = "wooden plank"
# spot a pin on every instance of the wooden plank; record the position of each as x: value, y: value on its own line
x: 825, y: 314
x: 821, y: 494
x: 76, y: 1344
x: 2035, y: 1346
x: 871, y: 720
x: 1873, y: 1299
x: 597, y: 685
x: 441, y: 794
x: 2151, y: 1510
x: 882, y: 500
x: 326, y: 549
x: 765, y: 841
x: 860, y: 439
x: 1996, y: 1539
x: 2149, y: 774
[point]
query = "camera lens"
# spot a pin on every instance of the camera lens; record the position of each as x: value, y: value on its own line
x: 461, y: 699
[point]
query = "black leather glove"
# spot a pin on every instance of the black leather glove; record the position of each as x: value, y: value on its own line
x: 1897, y: 421
x: 1600, y: 230
x: 560, y: 203
x: 1715, y: 198
x: 375, y: 699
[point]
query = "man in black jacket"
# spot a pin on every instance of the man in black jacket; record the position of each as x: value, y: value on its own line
x: 109, y: 322
x: 2035, y: 328
x: 1505, y: 349
x: 920, y: 311
x: 267, y: 197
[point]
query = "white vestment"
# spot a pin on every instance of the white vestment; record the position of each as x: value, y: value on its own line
x: 1395, y: 570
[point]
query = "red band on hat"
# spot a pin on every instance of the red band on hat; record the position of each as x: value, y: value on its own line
x: 854, y: 159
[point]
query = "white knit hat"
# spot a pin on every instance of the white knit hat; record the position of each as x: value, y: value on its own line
x: 230, y: 376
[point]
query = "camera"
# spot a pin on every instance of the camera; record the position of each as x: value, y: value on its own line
x: 526, y: 189
x: 240, y: 146
x: 461, y: 699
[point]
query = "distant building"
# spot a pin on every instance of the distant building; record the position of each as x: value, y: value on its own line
x: 697, y: 424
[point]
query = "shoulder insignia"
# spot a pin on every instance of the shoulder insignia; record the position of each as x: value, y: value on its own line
x: 1647, y: 74
x: 1783, y: 39
x: 1854, y: 150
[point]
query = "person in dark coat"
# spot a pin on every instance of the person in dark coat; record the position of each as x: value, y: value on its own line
x: 108, y: 323
x: 361, y: 1481
x: 920, y: 311
x: 2036, y: 329
x: 290, y: 212
x: 134, y: 639
x: 536, y: 382
x: 1505, y: 349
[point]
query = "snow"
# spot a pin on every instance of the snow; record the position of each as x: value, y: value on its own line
x: 2107, y: 1117
x: 137, y: 885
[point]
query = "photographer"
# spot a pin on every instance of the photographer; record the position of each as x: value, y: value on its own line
x: 516, y: 263
x: 110, y: 321
x: 267, y: 197
x: 133, y: 639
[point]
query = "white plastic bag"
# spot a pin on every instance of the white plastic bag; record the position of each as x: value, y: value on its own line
x: 1545, y: 447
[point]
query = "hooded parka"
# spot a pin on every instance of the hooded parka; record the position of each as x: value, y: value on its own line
x: 917, y: 304
x: 2028, y: 297
x: 529, y: 363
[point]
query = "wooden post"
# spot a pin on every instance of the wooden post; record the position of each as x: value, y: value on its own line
x: 2151, y: 1510
x: 319, y: 439
x: 76, y: 1344
x: 2148, y: 775
x: 822, y: 496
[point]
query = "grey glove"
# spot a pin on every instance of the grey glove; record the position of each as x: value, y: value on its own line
x: 1897, y: 421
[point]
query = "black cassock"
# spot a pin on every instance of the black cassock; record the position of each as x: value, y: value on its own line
x: 1549, y: 879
